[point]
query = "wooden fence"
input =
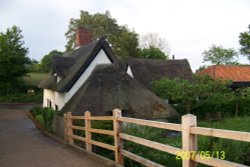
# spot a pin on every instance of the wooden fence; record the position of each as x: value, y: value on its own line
x: 188, y: 129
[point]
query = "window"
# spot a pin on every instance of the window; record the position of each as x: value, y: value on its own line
x: 49, y: 103
x: 56, y: 107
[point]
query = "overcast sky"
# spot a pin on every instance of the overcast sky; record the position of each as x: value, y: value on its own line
x: 190, y: 26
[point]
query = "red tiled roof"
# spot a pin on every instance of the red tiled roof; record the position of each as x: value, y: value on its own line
x: 240, y: 73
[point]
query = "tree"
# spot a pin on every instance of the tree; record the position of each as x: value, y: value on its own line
x: 201, y: 68
x: 219, y: 55
x: 34, y: 66
x: 13, y: 59
x: 180, y: 91
x: 192, y: 94
x: 241, y: 95
x: 245, y: 43
x: 46, y: 62
x: 153, y: 53
x: 153, y: 40
x: 124, y: 42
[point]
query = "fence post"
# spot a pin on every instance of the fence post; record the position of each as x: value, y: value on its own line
x: 66, y: 139
x: 189, y: 142
x: 117, y: 126
x: 88, y: 135
x: 70, y: 130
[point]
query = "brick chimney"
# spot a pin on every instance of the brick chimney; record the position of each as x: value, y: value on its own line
x: 83, y: 37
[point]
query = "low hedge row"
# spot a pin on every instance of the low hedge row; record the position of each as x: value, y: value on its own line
x: 37, y: 97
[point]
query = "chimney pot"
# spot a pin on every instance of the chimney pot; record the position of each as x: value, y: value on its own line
x: 173, y: 57
x: 83, y: 37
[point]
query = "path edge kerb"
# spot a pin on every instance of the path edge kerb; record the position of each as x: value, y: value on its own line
x: 105, y: 161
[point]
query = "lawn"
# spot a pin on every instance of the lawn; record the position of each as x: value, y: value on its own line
x: 236, y: 123
x: 33, y: 79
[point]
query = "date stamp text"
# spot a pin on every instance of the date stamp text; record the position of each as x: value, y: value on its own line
x: 202, y: 154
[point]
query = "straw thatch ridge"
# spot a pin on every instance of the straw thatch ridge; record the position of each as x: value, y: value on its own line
x: 79, y: 59
x: 147, y: 70
x: 108, y: 88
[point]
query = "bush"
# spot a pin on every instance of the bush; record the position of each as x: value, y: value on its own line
x: 106, y: 125
x: 22, y: 98
x: 235, y: 151
x: 36, y: 111
x: 153, y: 134
x: 47, y: 115
x: 40, y: 119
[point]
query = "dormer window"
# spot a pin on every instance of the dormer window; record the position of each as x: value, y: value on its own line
x: 57, y: 78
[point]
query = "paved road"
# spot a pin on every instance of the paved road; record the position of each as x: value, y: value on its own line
x: 22, y: 145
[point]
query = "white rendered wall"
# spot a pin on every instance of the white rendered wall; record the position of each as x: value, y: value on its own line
x: 55, y: 97
x: 129, y: 71
x: 60, y: 99
x: 47, y: 94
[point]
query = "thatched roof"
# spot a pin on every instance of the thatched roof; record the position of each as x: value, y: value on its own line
x: 147, y: 70
x: 73, y: 64
x: 108, y: 88
x: 60, y: 65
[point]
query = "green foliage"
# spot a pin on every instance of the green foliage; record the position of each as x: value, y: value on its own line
x: 36, y: 111
x: 191, y: 94
x: 204, y: 95
x: 124, y: 42
x: 33, y: 79
x: 16, y: 85
x: 235, y: 151
x: 13, y: 59
x: 153, y: 134
x: 235, y: 123
x: 21, y: 86
x: 40, y: 119
x: 46, y: 62
x: 153, y: 53
x: 44, y: 116
x: 37, y: 97
x: 201, y: 68
x: 34, y: 66
x: 219, y: 55
x: 106, y: 125
x: 245, y: 43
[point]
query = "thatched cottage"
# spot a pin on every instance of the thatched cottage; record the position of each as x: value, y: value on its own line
x: 90, y: 78
x: 147, y: 70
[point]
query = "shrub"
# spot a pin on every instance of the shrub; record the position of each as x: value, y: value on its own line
x: 36, y: 111
x: 153, y: 134
x: 47, y: 115
x: 40, y: 119
x: 22, y: 98
x: 235, y: 151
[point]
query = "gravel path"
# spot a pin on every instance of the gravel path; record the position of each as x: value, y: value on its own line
x: 22, y: 145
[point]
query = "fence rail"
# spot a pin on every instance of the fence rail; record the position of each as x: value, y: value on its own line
x: 188, y: 128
